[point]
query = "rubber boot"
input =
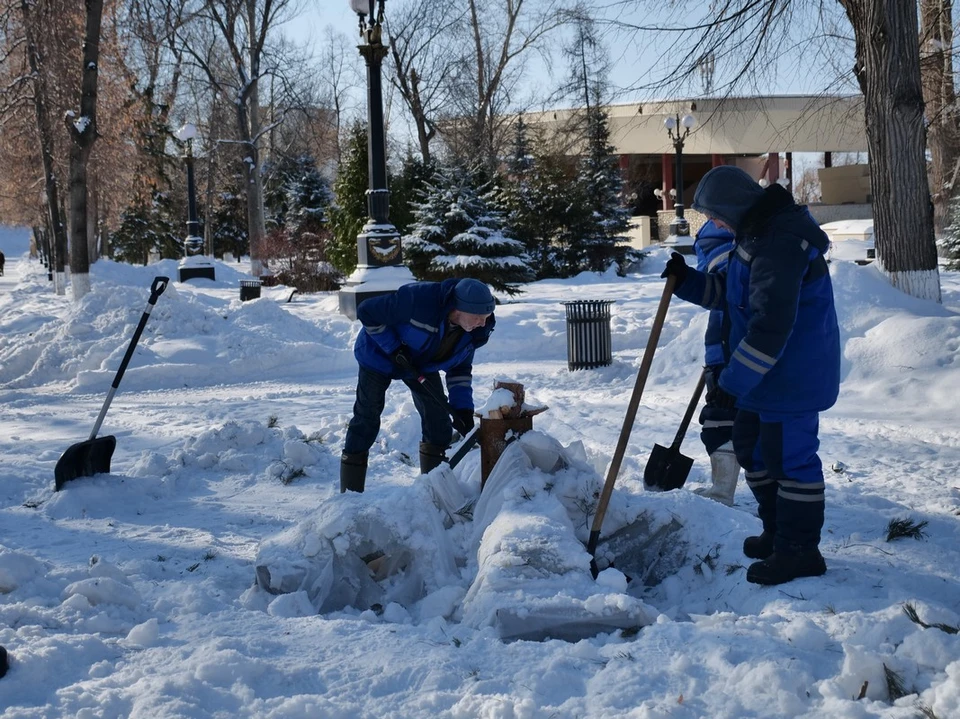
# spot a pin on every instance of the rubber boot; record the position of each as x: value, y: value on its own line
x: 353, y: 472
x: 759, y: 547
x: 431, y: 456
x: 781, y: 567
x: 724, y: 473
x: 800, y: 509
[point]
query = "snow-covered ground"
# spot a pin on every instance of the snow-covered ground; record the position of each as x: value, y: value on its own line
x: 133, y: 594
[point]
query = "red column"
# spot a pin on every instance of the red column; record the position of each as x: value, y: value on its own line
x: 788, y: 164
x: 716, y: 160
x: 773, y: 167
x: 666, y: 164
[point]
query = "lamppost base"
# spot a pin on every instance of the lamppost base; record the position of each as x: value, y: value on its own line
x: 367, y: 282
x: 196, y: 266
x: 679, y: 239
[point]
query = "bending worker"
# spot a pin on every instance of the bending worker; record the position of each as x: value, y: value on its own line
x: 412, y: 335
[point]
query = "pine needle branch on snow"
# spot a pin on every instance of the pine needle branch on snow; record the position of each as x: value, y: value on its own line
x: 900, y: 528
x: 913, y: 616
x: 895, y: 686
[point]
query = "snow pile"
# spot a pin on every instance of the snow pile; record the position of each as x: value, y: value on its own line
x: 329, y: 559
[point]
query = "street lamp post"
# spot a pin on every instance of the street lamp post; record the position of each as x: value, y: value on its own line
x: 194, y: 264
x: 678, y: 128
x: 380, y: 267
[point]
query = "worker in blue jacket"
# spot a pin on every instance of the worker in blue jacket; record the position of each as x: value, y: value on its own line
x: 412, y: 335
x: 784, y: 366
x: 712, y: 246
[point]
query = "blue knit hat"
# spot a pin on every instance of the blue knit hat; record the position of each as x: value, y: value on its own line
x: 474, y: 297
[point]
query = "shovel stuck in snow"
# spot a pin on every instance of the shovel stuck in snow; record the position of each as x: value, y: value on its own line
x: 666, y: 468
x: 93, y: 456
x: 631, y: 415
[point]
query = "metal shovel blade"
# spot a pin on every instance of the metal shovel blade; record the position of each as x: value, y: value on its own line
x: 666, y: 469
x: 84, y: 459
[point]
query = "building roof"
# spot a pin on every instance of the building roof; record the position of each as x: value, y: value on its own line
x: 733, y: 126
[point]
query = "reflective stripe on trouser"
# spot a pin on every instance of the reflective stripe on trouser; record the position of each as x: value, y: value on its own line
x: 779, y: 456
x: 716, y: 422
x: 371, y: 392
x: 717, y: 427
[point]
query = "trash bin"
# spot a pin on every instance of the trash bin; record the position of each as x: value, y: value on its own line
x: 588, y: 334
x: 249, y: 290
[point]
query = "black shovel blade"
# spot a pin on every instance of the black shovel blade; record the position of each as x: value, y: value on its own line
x: 84, y: 459
x: 666, y: 469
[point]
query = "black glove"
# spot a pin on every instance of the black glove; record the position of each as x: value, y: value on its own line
x: 462, y: 420
x: 677, y: 267
x: 721, y: 399
x: 403, y: 359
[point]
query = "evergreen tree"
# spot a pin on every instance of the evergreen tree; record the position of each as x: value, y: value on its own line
x: 229, y: 220
x: 146, y: 227
x: 949, y: 244
x: 296, y: 195
x: 604, y: 219
x: 348, y: 213
x: 407, y: 189
x: 541, y: 203
x: 457, y: 233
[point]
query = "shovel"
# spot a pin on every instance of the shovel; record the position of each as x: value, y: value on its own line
x: 93, y: 456
x: 628, y: 421
x: 469, y: 441
x: 666, y: 468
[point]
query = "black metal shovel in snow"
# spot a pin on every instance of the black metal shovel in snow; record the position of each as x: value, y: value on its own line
x: 93, y: 456
x: 666, y: 468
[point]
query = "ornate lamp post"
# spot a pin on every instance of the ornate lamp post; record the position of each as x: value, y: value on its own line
x: 194, y: 263
x: 380, y: 267
x: 677, y: 130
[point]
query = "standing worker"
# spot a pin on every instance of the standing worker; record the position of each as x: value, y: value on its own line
x: 784, y: 367
x: 713, y: 245
x: 411, y: 335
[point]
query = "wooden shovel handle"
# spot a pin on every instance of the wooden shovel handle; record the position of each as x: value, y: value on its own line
x: 642, y: 374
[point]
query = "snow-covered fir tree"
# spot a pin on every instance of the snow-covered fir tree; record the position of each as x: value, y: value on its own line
x: 146, y: 227
x: 540, y: 201
x: 600, y: 233
x: 229, y: 220
x: 296, y: 195
x: 457, y: 232
x: 348, y: 213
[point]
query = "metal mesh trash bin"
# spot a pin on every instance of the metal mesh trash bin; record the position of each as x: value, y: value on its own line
x: 588, y: 334
x: 249, y: 290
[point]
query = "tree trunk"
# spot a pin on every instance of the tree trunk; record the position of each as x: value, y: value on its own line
x: 58, y: 243
x: 887, y: 68
x: 250, y: 133
x: 940, y: 98
x: 83, y: 133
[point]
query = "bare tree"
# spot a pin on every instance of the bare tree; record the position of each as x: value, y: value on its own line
x: 242, y: 28
x: 82, y: 127
x: 498, y: 36
x: 422, y: 41
x: 888, y: 69
x: 746, y: 38
x: 940, y: 99
x: 338, y: 78
x: 33, y: 23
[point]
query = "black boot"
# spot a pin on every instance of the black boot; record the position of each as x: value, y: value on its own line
x: 353, y: 472
x: 759, y: 547
x: 781, y: 567
x: 431, y: 456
